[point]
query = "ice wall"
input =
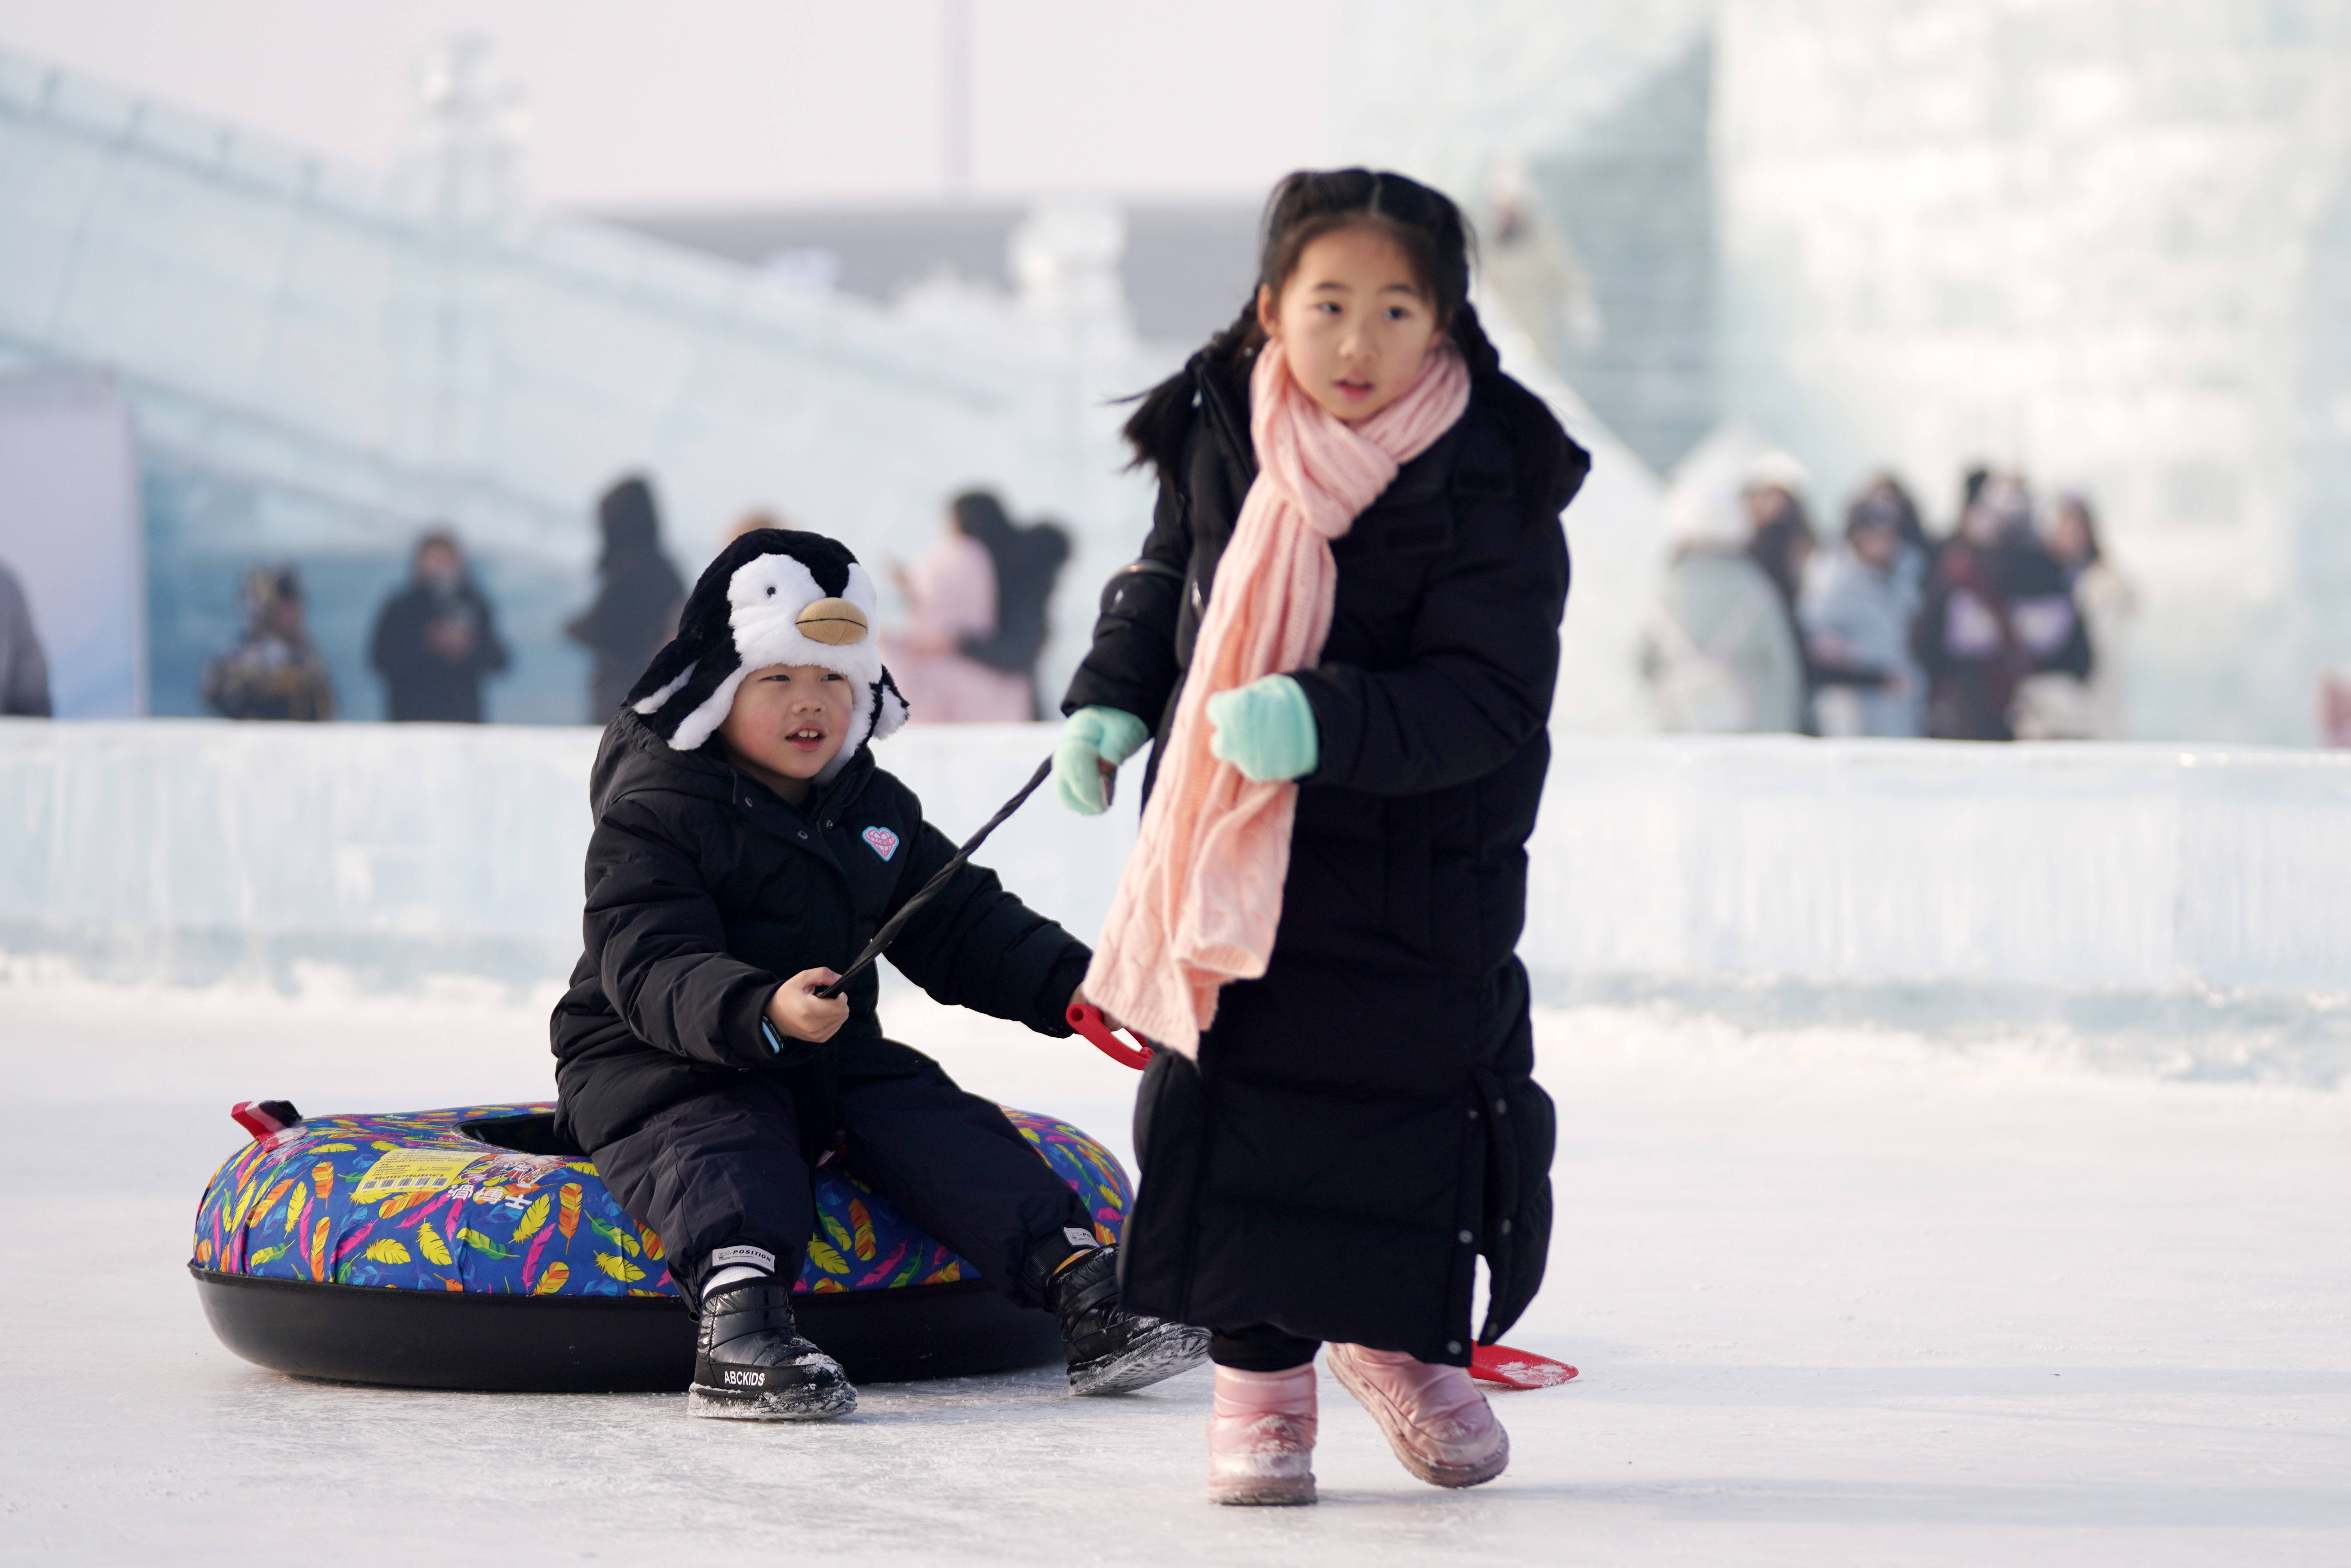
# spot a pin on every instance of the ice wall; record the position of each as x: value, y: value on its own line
x: 2104, y: 240
x: 322, y: 359
x: 2075, y: 867
x: 71, y: 531
x: 1577, y: 136
x: 2098, y: 238
x: 194, y: 851
x: 1443, y: 91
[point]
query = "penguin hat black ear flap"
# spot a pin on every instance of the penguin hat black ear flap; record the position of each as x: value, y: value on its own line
x: 889, y: 706
x: 701, y: 631
x: 688, y: 669
x: 704, y: 670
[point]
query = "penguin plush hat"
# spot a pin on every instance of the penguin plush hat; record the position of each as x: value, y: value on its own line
x: 773, y: 596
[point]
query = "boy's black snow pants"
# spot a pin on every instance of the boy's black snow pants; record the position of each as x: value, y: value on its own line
x: 727, y: 1168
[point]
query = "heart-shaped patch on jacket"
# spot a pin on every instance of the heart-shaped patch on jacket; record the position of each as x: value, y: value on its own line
x: 883, y: 842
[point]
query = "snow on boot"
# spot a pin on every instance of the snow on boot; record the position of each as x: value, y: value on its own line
x: 1112, y: 1350
x: 1434, y: 1419
x: 751, y: 1365
x: 1261, y: 1439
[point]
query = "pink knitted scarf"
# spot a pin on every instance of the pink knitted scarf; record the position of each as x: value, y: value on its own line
x: 1202, y: 893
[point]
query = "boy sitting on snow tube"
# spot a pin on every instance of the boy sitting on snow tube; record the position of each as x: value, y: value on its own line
x: 744, y: 845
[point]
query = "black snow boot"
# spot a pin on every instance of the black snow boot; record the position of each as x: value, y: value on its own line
x: 751, y: 1365
x: 1112, y: 1350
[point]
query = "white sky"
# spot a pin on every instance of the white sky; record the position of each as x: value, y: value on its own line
x: 722, y: 102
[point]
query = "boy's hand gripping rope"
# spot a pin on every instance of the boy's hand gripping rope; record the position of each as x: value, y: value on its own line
x: 1084, y: 1017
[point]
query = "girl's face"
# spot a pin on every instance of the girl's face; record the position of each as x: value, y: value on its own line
x: 1353, y: 320
x: 788, y: 720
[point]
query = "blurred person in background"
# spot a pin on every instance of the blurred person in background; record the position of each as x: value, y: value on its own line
x: 750, y: 522
x: 1998, y: 615
x: 1719, y: 654
x: 2335, y: 710
x: 1971, y: 484
x: 1781, y: 540
x: 1027, y: 564
x: 1887, y: 492
x: 274, y: 670
x: 23, y: 668
x: 436, y: 640
x: 638, y: 596
x: 1856, y: 613
x: 951, y: 596
x: 1780, y: 535
x: 2107, y: 601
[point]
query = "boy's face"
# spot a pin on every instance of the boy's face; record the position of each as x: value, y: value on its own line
x: 789, y: 718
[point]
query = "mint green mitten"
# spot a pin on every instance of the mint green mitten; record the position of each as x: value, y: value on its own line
x: 1089, y: 738
x: 1266, y: 730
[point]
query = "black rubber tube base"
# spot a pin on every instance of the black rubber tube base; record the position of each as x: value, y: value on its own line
x: 599, y: 1344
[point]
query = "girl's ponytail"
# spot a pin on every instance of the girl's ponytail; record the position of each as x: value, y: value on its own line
x: 1156, y: 429
x: 1547, y: 466
x: 1478, y: 351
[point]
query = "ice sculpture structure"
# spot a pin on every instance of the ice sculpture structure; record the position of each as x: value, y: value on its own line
x: 323, y: 360
x: 2104, y: 240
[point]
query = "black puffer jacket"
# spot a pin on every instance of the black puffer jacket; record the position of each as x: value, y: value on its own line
x: 705, y: 891
x: 1363, y: 1122
x: 2024, y: 623
x: 419, y: 684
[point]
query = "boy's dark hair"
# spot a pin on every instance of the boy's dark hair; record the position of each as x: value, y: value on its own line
x: 1423, y: 222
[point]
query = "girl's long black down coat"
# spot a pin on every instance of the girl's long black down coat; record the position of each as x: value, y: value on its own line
x: 1363, y: 1122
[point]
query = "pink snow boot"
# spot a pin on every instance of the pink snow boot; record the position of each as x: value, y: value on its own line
x: 1261, y: 1439
x: 1434, y: 1419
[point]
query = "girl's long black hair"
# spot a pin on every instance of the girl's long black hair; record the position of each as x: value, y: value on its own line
x: 1434, y: 237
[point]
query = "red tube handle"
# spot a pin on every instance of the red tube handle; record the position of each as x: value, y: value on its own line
x: 1088, y: 1020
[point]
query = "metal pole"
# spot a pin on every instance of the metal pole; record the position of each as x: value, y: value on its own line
x: 954, y: 47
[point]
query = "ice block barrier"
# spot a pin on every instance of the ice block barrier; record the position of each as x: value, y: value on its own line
x: 190, y: 851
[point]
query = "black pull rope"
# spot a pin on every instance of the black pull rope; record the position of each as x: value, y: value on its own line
x: 889, y: 933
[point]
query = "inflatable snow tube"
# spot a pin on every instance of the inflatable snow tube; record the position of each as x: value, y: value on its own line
x: 472, y: 1249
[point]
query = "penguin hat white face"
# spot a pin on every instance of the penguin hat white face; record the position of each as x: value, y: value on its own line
x: 773, y: 596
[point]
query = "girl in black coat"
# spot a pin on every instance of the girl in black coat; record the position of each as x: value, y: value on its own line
x: 1361, y: 1122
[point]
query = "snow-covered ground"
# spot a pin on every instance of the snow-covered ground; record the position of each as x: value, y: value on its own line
x: 1839, y: 1295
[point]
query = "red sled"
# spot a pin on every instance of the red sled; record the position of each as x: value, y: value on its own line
x: 1506, y: 1369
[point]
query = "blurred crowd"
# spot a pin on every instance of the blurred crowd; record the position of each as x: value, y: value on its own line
x: 2008, y: 627
x: 2007, y: 624
x: 966, y: 650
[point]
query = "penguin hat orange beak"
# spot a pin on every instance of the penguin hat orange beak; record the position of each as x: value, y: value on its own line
x: 836, y: 622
